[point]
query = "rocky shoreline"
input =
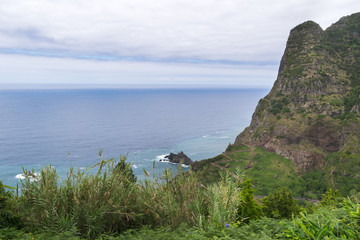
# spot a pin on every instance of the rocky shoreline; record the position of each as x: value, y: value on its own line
x: 178, y: 158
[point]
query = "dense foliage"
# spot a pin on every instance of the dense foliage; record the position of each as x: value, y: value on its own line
x: 7, y: 215
x: 280, y: 204
x: 111, y: 205
x: 249, y: 209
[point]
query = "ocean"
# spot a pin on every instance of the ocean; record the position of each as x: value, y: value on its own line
x: 67, y: 128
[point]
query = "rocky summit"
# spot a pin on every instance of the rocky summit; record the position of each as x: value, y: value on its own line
x: 313, y: 109
x: 305, y: 134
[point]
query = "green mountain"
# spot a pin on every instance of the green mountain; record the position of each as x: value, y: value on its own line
x: 305, y: 134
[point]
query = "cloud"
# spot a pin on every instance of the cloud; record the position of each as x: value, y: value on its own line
x: 197, y: 33
x: 182, y: 29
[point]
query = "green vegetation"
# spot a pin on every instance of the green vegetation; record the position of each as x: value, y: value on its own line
x: 109, y: 205
x: 8, y: 218
x: 249, y: 209
x: 111, y: 201
x: 268, y: 171
x: 280, y: 204
x: 342, y: 171
x: 277, y: 106
x: 311, y: 116
x: 352, y: 99
x: 314, y: 183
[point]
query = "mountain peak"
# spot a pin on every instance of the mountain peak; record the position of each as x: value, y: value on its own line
x: 317, y: 89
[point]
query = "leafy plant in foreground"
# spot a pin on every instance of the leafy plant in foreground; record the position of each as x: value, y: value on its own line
x: 8, y: 218
x: 326, y: 223
x: 84, y: 203
x: 225, y: 199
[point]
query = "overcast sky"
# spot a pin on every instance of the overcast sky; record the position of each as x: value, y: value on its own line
x: 153, y: 42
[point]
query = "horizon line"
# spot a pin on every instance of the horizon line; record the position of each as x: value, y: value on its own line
x: 65, y: 86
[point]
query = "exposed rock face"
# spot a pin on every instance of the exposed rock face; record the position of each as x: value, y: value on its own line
x: 313, y: 108
x: 179, y: 158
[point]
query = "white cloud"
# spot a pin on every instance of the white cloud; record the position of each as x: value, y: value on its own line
x: 230, y: 30
x: 211, y: 29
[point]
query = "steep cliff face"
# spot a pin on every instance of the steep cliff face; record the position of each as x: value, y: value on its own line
x: 313, y: 108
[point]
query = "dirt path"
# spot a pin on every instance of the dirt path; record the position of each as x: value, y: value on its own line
x: 251, y: 148
x: 314, y: 201
x: 229, y: 159
x: 266, y: 100
x: 223, y: 168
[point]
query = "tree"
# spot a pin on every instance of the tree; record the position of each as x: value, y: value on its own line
x: 248, y: 208
x: 280, y: 204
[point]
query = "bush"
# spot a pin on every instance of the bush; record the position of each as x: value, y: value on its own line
x: 248, y: 209
x: 280, y: 204
x: 314, y: 182
x: 331, y: 197
x: 351, y: 100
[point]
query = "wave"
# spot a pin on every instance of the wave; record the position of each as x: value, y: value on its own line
x: 22, y: 176
x: 161, y: 158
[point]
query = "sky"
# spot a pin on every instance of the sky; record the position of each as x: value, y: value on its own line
x: 152, y: 43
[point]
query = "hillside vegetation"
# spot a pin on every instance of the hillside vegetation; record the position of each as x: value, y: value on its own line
x: 111, y: 204
x: 311, y: 117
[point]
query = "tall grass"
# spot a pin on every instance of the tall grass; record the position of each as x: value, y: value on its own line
x: 106, y: 200
x: 86, y: 203
x: 111, y: 201
x: 225, y: 199
x: 170, y: 199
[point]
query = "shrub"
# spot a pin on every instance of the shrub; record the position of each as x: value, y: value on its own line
x: 331, y: 197
x: 352, y: 99
x: 248, y: 208
x: 314, y: 182
x: 336, y: 102
x: 280, y: 204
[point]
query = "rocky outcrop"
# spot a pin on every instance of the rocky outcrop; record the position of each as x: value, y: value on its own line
x: 315, y: 98
x: 179, y: 158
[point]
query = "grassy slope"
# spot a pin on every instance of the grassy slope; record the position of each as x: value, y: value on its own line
x: 268, y: 171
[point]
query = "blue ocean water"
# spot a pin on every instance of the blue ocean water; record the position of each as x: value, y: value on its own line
x: 41, y: 127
